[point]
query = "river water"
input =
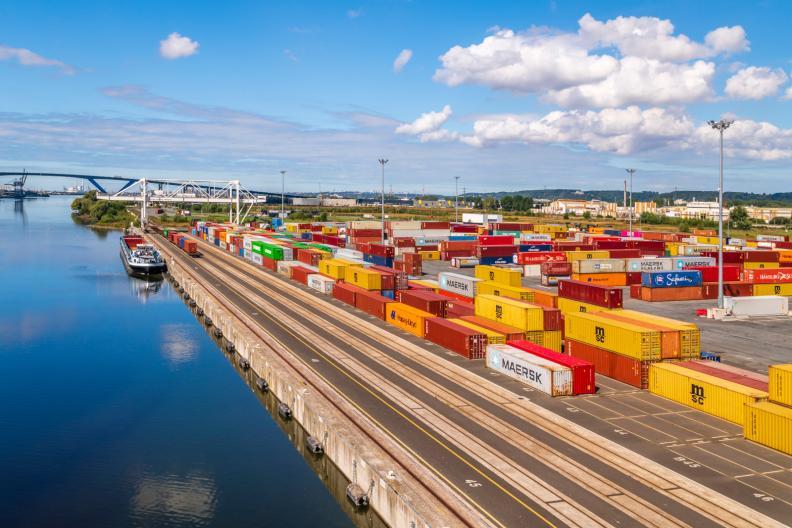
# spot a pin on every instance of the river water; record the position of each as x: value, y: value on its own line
x: 117, y: 408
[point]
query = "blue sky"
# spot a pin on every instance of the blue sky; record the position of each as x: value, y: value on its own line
x: 506, y: 95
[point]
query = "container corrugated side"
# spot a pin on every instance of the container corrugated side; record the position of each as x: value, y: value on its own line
x: 715, y: 396
x: 502, y: 290
x: 458, y: 283
x: 510, y: 311
x: 571, y: 305
x: 536, y: 372
x: 780, y: 383
x: 493, y: 337
x: 769, y: 424
x: 689, y: 333
x: 406, y: 317
x: 551, y: 339
x: 505, y: 276
x: 617, y: 336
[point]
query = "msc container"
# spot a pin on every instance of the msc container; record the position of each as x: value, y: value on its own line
x: 689, y: 333
x: 769, y: 424
x: 571, y: 305
x: 670, y: 341
x: 510, y: 311
x: 650, y: 264
x: 583, y: 381
x: 464, y: 341
x: 319, y: 283
x: 588, y: 293
x: 535, y: 371
x: 458, y: 283
x: 406, y: 317
x: 780, y: 384
x: 505, y: 276
x: 425, y: 300
x: 493, y: 337
x: 762, y: 305
x: 617, y: 336
x: 599, y: 266
x: 603, y: 279
x: 502, y: 290
x: 671, y: 279
x: 510, y: 332
x: 715, y: 396
x: 622, y: 368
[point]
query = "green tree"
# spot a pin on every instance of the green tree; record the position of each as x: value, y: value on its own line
x: 587, y: 215
x: 739, y: 218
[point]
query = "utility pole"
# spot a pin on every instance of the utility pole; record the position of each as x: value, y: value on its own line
x: 283, y: 193
x: 383, y: 161
x: 456, y: 199
x: 720, y: 126
x: 631, y: 171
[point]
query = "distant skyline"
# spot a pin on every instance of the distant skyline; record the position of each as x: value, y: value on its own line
x: 505, y: 95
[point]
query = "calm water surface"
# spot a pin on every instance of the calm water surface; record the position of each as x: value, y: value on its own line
x: 116, y: 408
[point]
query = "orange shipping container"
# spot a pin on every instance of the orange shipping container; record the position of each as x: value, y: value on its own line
x: 671, y: 294
x: 602, y: 279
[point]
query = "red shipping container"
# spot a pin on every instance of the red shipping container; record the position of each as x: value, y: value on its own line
x: 729, y: 257
x: 435, y: 225
x: 448, y: 255
x: 730, y: 289
x: 510, y: 332
x: 606, y: 296
x: 746, y: 379
x: 346, y: 293
x: 496, y: 251
x: 573, y: 246
x: 635, y: 290
x: 556, y: 269
x: 731, y: 273
x: 621, y: 368
x: 401, y: 242
x: 428, y: 301
x: 496, y: 240
x: 191, y: 247
x: 552, y: 318
x: 761, y: 256
x: 364, y: 233
x: 633, y: 277
x: 583, y: 380
x: 391, y: 279
x: 464, y: 228
x: 454, y: 245
x: 540, y: 257
x: 300, y: 274
x: 380, y: 250
x: 624, y: 253
x: 753, y: 276
x: 460, y: 339
x: 456, y: 308
x: 411, y: 285
x: 611, y: 244
x: 511, y: 226
x: 270, y: 264
x: 452, y: 295
x: 649, y: 245
x: 690, y: 293
x: 372, y: 303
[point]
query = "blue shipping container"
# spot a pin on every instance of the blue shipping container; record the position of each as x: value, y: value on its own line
x: 670, y: 279
x: 489, y: 261
x: 379, y: 261
x: 535, y: 247
x: 389, y: 294
x: 462, y: 237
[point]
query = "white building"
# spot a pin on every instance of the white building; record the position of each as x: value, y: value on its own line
x: 579, y: 207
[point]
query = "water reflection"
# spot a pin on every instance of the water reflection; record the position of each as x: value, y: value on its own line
x: 19, y: 210
x: 144, y: 289
x: 167, y: 500
x: 178, y: 343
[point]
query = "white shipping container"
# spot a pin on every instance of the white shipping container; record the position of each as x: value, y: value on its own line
x: 321, y: 283
x: 349, y: 254
x: 365, y: 224
x: 691, y: 262
x: 430, y: 241
x: 693, y: 250
x: 650, y: 264
x: 536, y: 372
x: 535, y: 237
x: 464, y: 262
x: 532, y: 270
x: 739, y: 242
x: 405, y: 224
x: 257, y: 259
x: 770, y: 238
x: 599, y: 266
x: 553, y: 280
x: 458, y: 283
x: 285, y: 266
x: 757, y: 305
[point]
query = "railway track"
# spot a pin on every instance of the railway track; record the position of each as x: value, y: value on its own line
x: 468, y: 415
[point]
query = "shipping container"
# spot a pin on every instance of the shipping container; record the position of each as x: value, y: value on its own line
x: 372, y: 303
x: 773, y: 289
x: 670, y: 339
x: 464, y: 341
x: 595, y: 294
x: 599, y: 266
x: 346, y: 293
x: 602, y: 279
x: 537, y: 372
x: 502, y: 290
x: 550, y: 339
x: 319, y: 282
x: 493, y: 337
x: 622, y: 368
x: 780, y: 384
x: 689, y: 333
x: 762, y: 305
x: 670, y: 294
x: 425, y: 300
x: 723, y: 371
x: 769, y: 424
x: 539, y: 257
x: 510, y: 311
x: 505, y: 276
x: 571, y: 305
x: 456, y: 308
x: 767, y: 276
x: 671, y: 279
x: 710, y: 273
x: 407, y: 318
x: 617, y: 336
x: 586, y: 255
x: 458, y: 283
x: 731, y: 289
x: 556, y: 269
x: 583, y: 381
x: 510, y: 332
x: 715, y: 396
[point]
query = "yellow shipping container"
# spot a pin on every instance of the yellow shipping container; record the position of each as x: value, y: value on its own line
x: 769, y: 424
x: 433, y: 285
x: 429, y: 255
x: 672, y: 248
x: 493, y: 337
x: 715, y: 396
x: 616, y: 336
x: 512, y: 312
x: 587, y: 255
x: 773, y: 289
x: 329, y: 230
x: 780, y: 384
x: 761, y: 265
x: 552, y: 339
x: 536, y: 337
x: 707, y: 240
x: 406, y: 317
x: 502, y: 290
x: 596, y: 230
x: 751, y: 243
x: 571, y: 305
x: 689, y: 333
x: 549, y: 228
x: 335, y: 268
x: 366, y: 279
x: 505, y: 276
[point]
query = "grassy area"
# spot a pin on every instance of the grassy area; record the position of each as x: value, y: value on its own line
x: 100, y: 213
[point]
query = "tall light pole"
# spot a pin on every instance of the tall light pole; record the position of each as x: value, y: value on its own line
x: 283, y: 192
x: 720, y: 126
x: 383, y: 161
x: 631, y: 171
x: 456, y: 199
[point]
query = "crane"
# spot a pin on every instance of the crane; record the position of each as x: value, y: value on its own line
x: 19, y: 185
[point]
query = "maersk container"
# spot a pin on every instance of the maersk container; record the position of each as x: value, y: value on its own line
x: 583, y: 381
x: 650, y: 264
x: 457, y: 283
x: 671, y: 279
x: 681, y: 263
x: 536, y: 372
x: 598, y: 266
x: 769, y: 424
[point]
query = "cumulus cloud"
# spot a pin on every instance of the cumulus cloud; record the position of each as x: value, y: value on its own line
x: 788, y: 94
x: 755, y: 82
x: 177, y: 46
x: 653, y: 65
x: 747, y: 139
x: 25, y: 57
x: 427, y: 126
x: 401, y: 60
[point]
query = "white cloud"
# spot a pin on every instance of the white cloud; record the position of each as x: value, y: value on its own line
x: 747, y: 139
x: 788, y: 94
x: 401, y: 60
x: 427, y: 125
x: 354, y: 13
x: 25, y: 57
x: 727, y: 40
x: 755, y: 82
x: 176, y: 46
